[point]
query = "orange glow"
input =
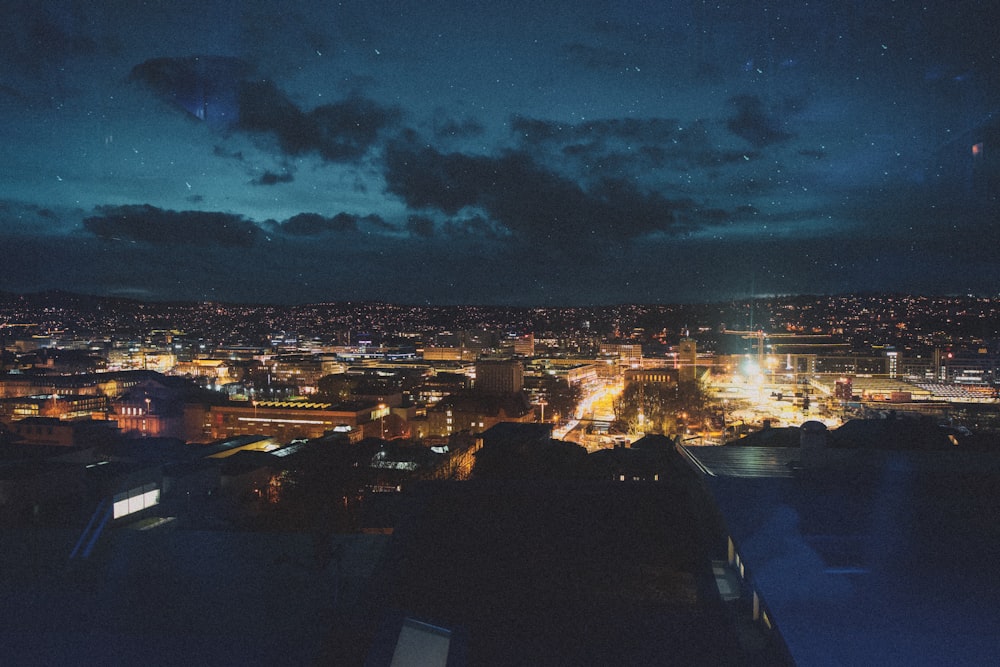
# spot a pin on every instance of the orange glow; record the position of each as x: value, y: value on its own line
x: 977, y: 149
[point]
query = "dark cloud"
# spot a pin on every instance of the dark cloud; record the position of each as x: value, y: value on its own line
x: 338, y: 132
x: 528, y: 200
x: 626, y: 146
x: 272, y: 178
x: 314, y: 224
x: 148, y: 224
x: 25, y: 218
x: 755, y: 124
x: 217, y: 89
x: 207, y: 87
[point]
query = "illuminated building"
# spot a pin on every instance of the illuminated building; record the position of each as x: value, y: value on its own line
x: 217, y: 371
x: 497, y: 396
x: 108, y: 384
x: 844, y: 389
x: 475, y: 412
x: 450, y: 354
x: 58, y: 432
x: 687, y: 360
x: 60, y: 406
x: 144, y: 416
x: 141, y: 358
x: 297, y: 370
x: 661, y: 376
x: 892, y: 357
x: 573, y: 371
x: 284, y: 420
x: 524, y: 346
x: 434, y: 388
x: 499, y: 377
x: 626, y: 354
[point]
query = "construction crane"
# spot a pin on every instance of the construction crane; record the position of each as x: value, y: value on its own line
x: 748, y: 335
x: 760, y: 337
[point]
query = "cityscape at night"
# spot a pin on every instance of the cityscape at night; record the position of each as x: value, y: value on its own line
x: 521, y: 333
x: 365, y: 458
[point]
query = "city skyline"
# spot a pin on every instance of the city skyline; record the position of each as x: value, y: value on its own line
x: 516, y: 154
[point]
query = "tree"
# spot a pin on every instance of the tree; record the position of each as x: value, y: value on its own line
x: 337, y: 388
x: 659, y: 408
x: 561, y: 397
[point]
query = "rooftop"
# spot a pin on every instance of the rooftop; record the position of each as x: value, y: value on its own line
x: 551, y: 573
x: 867, y: 556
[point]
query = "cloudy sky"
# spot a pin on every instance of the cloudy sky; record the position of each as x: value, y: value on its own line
x: 512, y: 151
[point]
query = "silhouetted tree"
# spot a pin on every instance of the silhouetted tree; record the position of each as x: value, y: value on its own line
x: 662, y: 406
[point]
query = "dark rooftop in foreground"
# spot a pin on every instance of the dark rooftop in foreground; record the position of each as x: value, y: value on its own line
x: 568, y: 573
x: 832, y: 550
x: 866, y: 556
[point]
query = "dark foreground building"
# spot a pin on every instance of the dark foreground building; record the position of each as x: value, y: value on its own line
x: 865, y: 554
x: 584, y: 566
x: 817, y: 553
x: 558, y: 573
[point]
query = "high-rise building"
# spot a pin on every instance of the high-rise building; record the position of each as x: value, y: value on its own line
x: 687, y: 360
x: 499, y: 377
x: 524, y: 346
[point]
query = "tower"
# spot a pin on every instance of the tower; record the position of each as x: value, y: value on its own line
x: 687, y: 359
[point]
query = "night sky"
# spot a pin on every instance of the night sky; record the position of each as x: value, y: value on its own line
x: 533, y: 153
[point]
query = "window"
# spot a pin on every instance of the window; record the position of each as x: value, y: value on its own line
x: 136, y: 499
